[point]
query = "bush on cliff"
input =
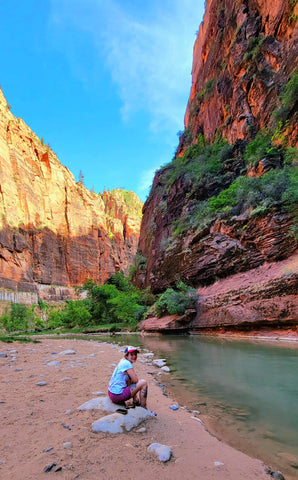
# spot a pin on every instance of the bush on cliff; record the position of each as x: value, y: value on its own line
x: 200, y: 163
x: 175, y: 302
x: 274, y: 187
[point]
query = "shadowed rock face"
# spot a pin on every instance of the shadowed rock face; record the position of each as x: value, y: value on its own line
x: 52, y: 229
x: 244, y: 55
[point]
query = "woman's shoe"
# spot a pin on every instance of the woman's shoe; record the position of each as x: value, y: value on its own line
x: 122, y: 410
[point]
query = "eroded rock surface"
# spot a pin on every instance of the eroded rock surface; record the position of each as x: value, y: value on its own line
x: 244, y: 55
x: 53, y: 231
x: 115, y: 422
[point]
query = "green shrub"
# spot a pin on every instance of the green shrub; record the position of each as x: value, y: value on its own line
x: 5, y: 321
x: 290, y: 93
x: 75, y: 314
x: 120, y: 281
x: 174, y: 302
x: 275, y: 186
x: 202, y: 215
x: 288, y: 99
x: 253, y: 48
x: 290, y: 194
x: 258, y: 148
x: 125, y: 308
x: 55, y: 320
x: 39, y: 324
x: 117, y: 301
x: 291, y: 156
x: 17, y: 318
x: 99, y: 296
x: 200, y: 163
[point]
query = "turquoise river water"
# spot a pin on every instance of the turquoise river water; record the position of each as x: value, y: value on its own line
x: 246, y: 391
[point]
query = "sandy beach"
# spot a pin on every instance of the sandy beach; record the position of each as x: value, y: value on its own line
x: 41, y: 424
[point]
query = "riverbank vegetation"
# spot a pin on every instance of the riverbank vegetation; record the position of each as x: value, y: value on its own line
x: 113, y: 306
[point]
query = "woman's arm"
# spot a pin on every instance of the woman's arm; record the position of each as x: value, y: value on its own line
x: 132, y: 375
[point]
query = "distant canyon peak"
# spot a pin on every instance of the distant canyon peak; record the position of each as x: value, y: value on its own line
x: 53, y: 230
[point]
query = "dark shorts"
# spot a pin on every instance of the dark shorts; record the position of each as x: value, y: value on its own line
x: 121, y: 397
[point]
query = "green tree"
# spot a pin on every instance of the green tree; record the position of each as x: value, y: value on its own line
x: 81, y: 178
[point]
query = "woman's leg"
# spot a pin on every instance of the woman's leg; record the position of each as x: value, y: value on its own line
x: 141, y: 387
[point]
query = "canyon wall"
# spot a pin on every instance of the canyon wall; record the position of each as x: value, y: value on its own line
x: 53, y: 231
x: 225, y: 203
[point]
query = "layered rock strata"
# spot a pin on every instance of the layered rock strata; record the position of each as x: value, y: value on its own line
x: 53, y: 231
x: 244, y: 56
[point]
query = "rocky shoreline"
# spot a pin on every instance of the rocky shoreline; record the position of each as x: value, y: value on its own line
x: 42, y: 424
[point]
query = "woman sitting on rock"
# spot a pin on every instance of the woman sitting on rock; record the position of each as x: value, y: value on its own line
x: 124, y: 383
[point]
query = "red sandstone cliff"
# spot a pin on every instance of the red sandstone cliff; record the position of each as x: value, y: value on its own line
x: 53, y: 230
x: 244, y: 53
x: 244, y: 60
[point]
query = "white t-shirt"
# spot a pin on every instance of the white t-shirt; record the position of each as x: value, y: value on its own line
x: 120, y: 376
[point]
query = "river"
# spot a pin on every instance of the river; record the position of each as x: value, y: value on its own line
x: 245, y: 390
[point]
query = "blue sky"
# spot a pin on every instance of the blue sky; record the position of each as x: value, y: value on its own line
x: 104, y: 82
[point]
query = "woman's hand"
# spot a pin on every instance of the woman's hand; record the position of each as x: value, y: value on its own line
x: 132, y: 376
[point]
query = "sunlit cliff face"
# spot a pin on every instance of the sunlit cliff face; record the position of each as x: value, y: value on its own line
x: 52, y: 229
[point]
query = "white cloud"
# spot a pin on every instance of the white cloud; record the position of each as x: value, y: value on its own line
x: 147, y: 49
x: 145, y: 182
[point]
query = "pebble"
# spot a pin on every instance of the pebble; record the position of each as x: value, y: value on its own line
x: 278, y: 475
x: 54, y: 363
x: 66, y: 379
x: 49, y: 467
x: 66, y: 426
x: 197, y: 419
x: 163, y: 452
x: 19, y: 369
x: 174, y: 407
x: 67, y: 445
x: 141, y: 430
x: 218, y: 464
x: 159, y: 362
x: 3, y: 354
x: 41, y: 384
x: 165, y: 368
x: 68, y: 352
x: 68, y: 412
x: 48, y: 449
